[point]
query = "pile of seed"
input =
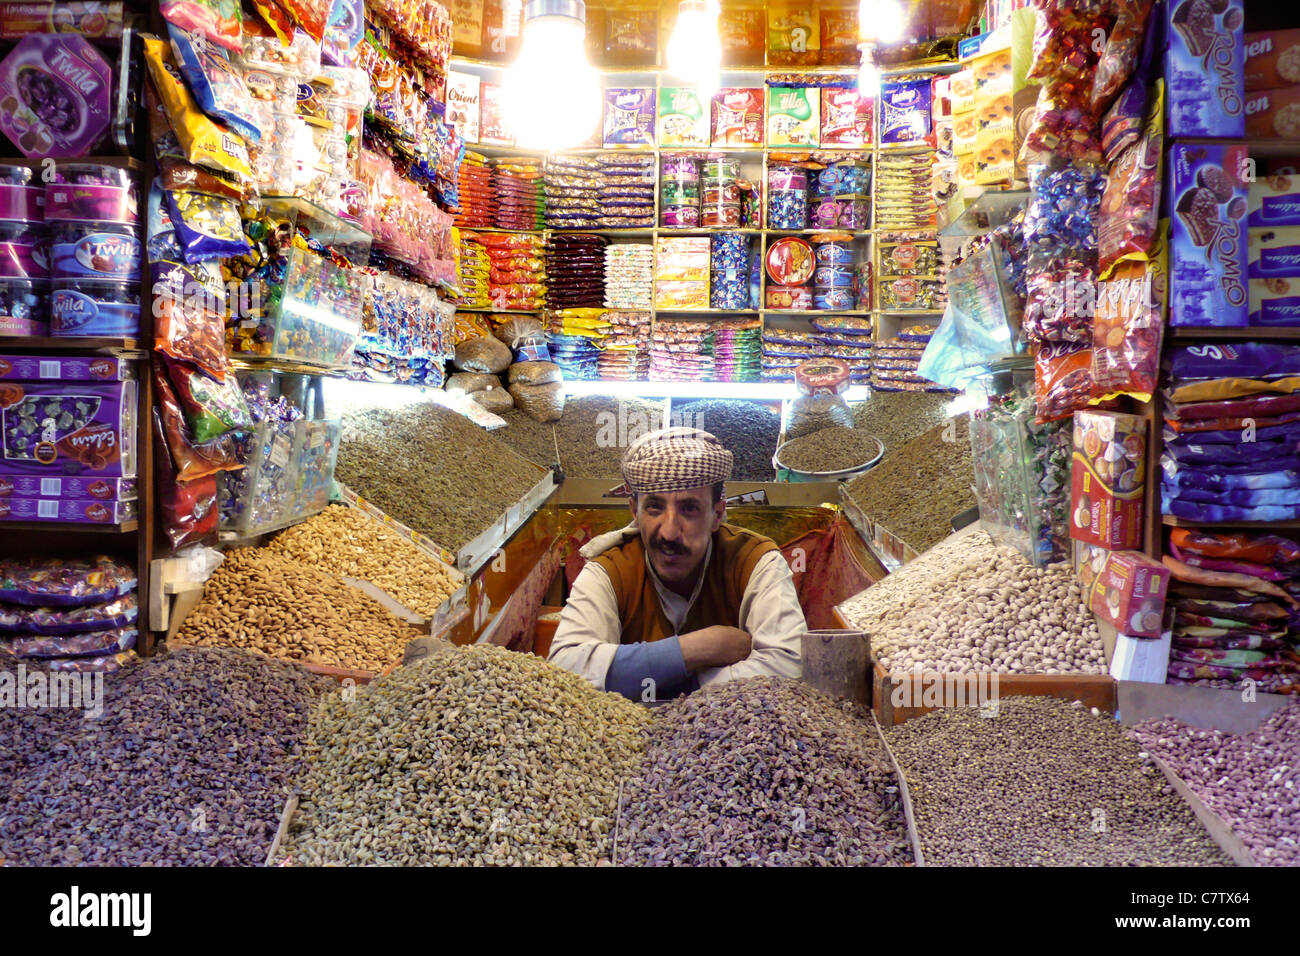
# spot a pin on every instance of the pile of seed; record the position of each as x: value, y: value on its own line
x: 262, y: 601
x: 189, y: 764
x: 349, y: 543
x: 592, y: 435
x: 470, y: 757
x: 970, y: 605
x: 762, y: 771
x: 432, y: 469
x: 830, y: 449
x: 1045, y: 782
x: 1252, y: 781
x: 898, y: 417
x: 749, y: 430
x: 917, y: 489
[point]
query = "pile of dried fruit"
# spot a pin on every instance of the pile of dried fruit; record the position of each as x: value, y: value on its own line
x: 189, y: 764
x: 432, y: 469
x: 349, y: 543
x: 917, y: 489
x: 749, y: 430
x: 1252, y: 781
x: 1043, y: 783
x: 830, y: 449
x: 762, y: 771
x: 473, y: 756
x: 898, y: 417
x: 969, y: 605
x: 591, y: 437
x: 262, y: 601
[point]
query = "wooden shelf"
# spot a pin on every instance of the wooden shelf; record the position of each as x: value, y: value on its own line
x: 75, y: 527
x: 1173, y: 521
x: 1250, y: 333
x: 71, y: 343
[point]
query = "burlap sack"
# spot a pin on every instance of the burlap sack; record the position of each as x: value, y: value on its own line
x: 542, y: 402
x: 534, y: 373
x: 484, y: 354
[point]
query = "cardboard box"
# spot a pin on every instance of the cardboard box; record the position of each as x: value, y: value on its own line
x: 45, y: 486
x: 493, y: 129
x: 76, y: 368
x: 846, y: 118
x: 1207, y: 250
x: 463, y: 104
x: 1273, y: 253
x: 629, y: 116
x: 1275, y: 302
x: 683, y: 258
x: 1141, y: 658
x: 1203, y: 68
x: 1126, y: 589
x: 1274, y: 201
x: 793, y: 116
x: 683, y: 118
x: 1107, y: 479
x: 1272, y: 59
x: 681, y: 294
x: 79, y: 510
x: 1273, y: 113
x: 738, y: 117
x: 69, y: 428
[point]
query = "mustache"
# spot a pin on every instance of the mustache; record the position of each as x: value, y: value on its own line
x: 668, y: 547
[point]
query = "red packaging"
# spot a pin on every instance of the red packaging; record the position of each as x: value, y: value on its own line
x: 846, y: 118
x: 1107, y: 479
x: 1127, y: 590
x: 738, y: 117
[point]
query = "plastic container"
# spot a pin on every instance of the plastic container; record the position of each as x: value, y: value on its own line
x: 94, y: 250
x: 836, y: 663
x: 261, y: 495
x: 96, y: 307
x: 316, y: 450
x: 25, y: 251
x: 92, y: 193
x: 24, y: 307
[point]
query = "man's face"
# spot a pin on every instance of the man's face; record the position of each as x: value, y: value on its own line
x: 675, y: 528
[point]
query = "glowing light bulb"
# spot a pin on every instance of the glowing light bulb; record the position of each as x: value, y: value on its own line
x: 880, y: 21
x: 694, y: 49
x: 552, y: 94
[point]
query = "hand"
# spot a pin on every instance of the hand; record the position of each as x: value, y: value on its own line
x: 718, y: 646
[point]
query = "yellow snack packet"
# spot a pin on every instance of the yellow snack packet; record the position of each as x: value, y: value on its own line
x: 205, y: 142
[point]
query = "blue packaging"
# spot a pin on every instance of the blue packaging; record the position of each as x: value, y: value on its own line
x: 1204, y: 64
x: 95, y: 307
x: 1207, y: 248
x: 94, y: 250
x: 1274, y: 201
x: 1275, y: 302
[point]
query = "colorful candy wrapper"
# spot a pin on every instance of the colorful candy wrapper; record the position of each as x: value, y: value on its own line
x: 216, y: 20
x: 1063, y: 381
x: 203, y: 141
x: 207, y: 227
x: 215, y: 83
x: 212, y: 408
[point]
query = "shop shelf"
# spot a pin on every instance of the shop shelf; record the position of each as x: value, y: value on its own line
x: 122, y: 347
x: 74, y: 527
x: 1173, y: 521
x: 1252, y: 333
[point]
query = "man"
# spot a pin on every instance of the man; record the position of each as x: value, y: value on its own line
x: 679, y: 598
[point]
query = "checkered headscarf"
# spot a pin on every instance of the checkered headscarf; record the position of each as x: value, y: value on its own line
x: 676, y: 459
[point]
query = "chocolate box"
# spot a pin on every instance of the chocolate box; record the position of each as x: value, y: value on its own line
x: 1124, y: 588
x: 68, y: 429
x: 78, y: 368
x: 1207, y: 249
x: 1203, y: 68
x: 683, y: 117
x: 54, y: 95
x: 1107, y: 479
x: 1272, y: 59
x: 1275, y: 302
x: 793, y: 116
x: 80, y: 510
x: 1273, y: 113
x: 738, y: 117
x: 1274, y: 201
x: 1273, y: 253
x: 54, y: 486
x: 846, y: 118
x: 629, y: 116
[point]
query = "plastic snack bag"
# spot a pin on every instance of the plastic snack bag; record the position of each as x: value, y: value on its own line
x: 207, y: 227
x: 211, y: 407
x: 216, y: 20
x: 217, y: 86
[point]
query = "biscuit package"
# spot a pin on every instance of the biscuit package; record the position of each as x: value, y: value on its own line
x: 1274, y: 200
x: 1207, y: 255
x: 1124, y: 588
x: 1107, y: 479
x: 1272, y: 59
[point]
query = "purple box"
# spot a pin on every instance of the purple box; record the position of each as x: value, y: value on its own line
x: 55, y: 95
x: 68, y: 429
x: 84, y: 510
x: 1207, y: 248
x: 1204, y: 63
x: 629, y: 116
x: 80, y: 368
x: 54, y: 486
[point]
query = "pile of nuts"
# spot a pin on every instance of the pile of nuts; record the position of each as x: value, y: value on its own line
x: 262, y: 601
x: 349, y: 543
x: 432, y: 469
x: 969, y: 605
x: 589, y: 439
x: 1045, y: 782
x: 763, y: 771
x: 1252, y: 781
x: 189, y: 764
x: 473, y: 756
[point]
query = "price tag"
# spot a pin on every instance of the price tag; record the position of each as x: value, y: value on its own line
x: 279, y: 451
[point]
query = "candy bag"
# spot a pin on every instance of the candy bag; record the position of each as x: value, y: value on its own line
x: 191, y: 460
x: 211, y: 407
x: 177, y: 174
x: 217, y: 86
x: 107, y: 664
x: 189, y: 508
x: 64, y: 582
x: 1260, y: 548
x: 1128, y: 330
x: 1130, y: 206
x: 1261, y: 571
x: 207, y: 227
x: 311, y: 15
x: 90, y: 644
x: 216, y: 20
x: 63, y: 620
x: 275, y: 17
x: 1063, y: 381
x: 188, y: 331
x: 1120, y: 56
x: 203, y: 141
